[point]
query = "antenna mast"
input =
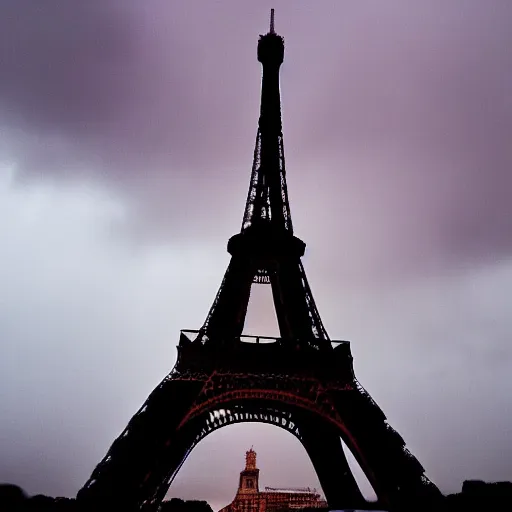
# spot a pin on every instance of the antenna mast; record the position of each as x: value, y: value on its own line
x: 272, y: 31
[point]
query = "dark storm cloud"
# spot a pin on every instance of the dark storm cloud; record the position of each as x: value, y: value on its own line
x: 424, y: 105
x: 91, y: 74
x: 398, y: 114
x: 135, y: 94
x: 123, y: 82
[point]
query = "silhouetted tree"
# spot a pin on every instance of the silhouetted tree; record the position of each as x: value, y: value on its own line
x: 12, y: 497
x: 177, y: 505
x: 478, y: 496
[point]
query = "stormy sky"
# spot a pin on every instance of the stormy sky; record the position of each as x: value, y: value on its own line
x: 126, y: 137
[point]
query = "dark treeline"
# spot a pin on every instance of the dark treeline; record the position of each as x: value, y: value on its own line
x: 177, y: 505
x: 14, y: 499
x: 480, y: 496
x: 476, y: 495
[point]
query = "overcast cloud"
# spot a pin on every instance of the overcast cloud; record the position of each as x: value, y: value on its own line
x: 126, y: 138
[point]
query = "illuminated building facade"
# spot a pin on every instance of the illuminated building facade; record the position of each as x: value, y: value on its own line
x: 249, y: 498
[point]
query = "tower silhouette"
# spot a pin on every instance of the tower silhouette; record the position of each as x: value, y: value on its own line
x: 302, y: 381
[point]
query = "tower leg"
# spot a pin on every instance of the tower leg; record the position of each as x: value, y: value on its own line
x: 325, y: 450
x: 147, y: 450
x: 396, y: 475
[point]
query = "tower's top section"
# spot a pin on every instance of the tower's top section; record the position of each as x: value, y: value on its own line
x: 250, y: 459
x: 271, y: 45
x: 267, y: 202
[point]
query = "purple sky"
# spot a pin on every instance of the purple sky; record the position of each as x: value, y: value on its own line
x: 126, y: 139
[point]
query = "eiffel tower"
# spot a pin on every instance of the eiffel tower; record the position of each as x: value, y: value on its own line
x: 302, y: 381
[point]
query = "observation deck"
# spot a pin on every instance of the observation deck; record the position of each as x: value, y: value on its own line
x: 263, y: 355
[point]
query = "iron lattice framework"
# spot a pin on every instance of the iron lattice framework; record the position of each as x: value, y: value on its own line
x: 301, y: 381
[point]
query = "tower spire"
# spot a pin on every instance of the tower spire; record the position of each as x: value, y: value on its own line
x: 267, y: 201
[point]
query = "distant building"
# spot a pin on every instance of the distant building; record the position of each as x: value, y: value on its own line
x: 249, y: 498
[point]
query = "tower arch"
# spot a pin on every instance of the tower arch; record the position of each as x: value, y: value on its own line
x: 299, y: 421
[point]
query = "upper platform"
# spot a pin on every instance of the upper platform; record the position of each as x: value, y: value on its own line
x: 266, y: 240
x: 271, y: 49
